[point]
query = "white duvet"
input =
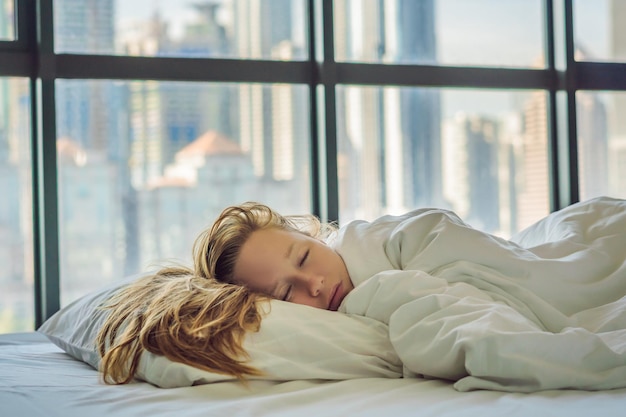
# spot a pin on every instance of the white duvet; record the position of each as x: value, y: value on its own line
x: 544, y: 310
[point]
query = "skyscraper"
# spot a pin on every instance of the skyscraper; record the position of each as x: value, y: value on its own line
x: 273, y: 119
x: 420, y: 118
x: 85, y: 108
x: 533, y: 201
x: 471, y: 169
x: 390, y: 137
x: 361, y: 157
x: 7, y: 20
x: 592, y: 127
x: 617, y: 144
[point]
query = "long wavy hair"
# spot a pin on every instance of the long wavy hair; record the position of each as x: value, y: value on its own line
x: 197, y: 316
x: 182, y: 316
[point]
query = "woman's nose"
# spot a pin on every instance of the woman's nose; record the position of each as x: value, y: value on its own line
x: 315, y: 284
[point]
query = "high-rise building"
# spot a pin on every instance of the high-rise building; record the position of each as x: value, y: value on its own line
x: 7, y: 20
x: 273, y: 120
x: 15, y: 161
x: 593, y: 141
x: 269, y: 115
x: 617, y: 127
x: 85, y: 109
x: 89, y: 208
x: 165, y: 117
x: 420, y: 118
x: 95, y: 197
x: 534, y: 189
x: 361, y: 158
x: 206, y: 175
x: 16, y: 209
x: 390, y: 137
x: 478, y: 171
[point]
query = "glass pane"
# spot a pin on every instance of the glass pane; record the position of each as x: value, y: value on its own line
x: 7, y: 20
x: 599, y: 31
x: 250, y: 29
x: 560, y: 48
x: 482, y: 154
x: 446, y: 32
x: 16, y: 213
x: 601, y: 143
x: 145, y: 166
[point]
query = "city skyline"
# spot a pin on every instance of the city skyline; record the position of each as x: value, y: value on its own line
x: 592, y: 28
x: 140, y: 171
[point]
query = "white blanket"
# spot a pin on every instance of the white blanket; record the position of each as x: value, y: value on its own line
x: 544, y: 310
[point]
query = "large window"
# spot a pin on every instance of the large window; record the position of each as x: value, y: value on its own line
x: 480, y: 153
x: 249, y: 29
x: 16, y: 208
x: 7, y: 20
x: 126, y: 126
x: 444, y: 32
x: 144, y: 166
x: 599, y: 31
x: 601, y: 143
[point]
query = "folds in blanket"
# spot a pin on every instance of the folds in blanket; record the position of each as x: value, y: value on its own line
x: 572, y: 260
x: 525, y: 362
x: 459, y: 332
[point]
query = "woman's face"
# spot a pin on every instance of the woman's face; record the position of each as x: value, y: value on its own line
x: 291, y: 266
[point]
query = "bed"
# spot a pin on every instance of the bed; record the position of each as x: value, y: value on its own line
x: 317, y: 362
x: 38, y: 379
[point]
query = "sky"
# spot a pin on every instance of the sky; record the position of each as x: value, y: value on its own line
x: 465, y: 35
x: 591, y: 24
x: 457, y: 20
x: 177, y: 12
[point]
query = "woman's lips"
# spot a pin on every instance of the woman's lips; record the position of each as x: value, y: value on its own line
x: 335, y: 298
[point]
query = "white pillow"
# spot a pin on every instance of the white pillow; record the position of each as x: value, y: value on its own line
x: 294, y: 342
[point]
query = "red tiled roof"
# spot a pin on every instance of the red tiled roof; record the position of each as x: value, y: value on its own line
x: 211, y: 143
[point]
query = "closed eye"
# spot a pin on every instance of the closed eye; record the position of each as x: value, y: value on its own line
x: 287, y: 295
x: 304, y: 258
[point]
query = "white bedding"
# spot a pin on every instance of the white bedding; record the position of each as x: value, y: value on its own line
x: 494, y: 314
x: 545, y: 310
x: 37, y: 379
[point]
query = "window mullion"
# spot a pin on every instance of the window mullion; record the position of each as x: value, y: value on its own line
x: 45, y: 199
x: 571, y: 163
x: 328, y: 77
x: 552, y: 111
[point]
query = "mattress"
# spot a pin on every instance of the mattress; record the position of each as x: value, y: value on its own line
x: 39, y: 379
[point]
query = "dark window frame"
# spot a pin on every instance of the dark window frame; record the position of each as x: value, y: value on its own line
x: 32, y: 56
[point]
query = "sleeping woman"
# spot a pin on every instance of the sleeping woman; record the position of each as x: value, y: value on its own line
x: 286, y: 258
x: 189, y: 316
x: 543, y: 310
x: 303, y: 261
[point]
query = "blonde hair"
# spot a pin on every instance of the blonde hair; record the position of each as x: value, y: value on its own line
x: 216, y: 249
x: 182, y: 316
x: 197, y: 316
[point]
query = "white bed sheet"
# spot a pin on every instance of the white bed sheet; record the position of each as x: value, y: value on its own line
x: 38, y: 379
